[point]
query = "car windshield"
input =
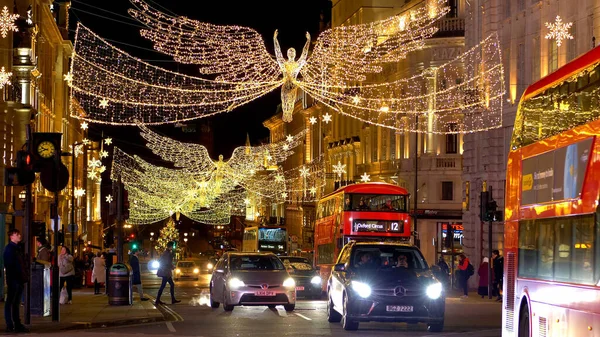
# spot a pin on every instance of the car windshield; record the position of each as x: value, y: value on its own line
x: 185, y: 264
x: 255, y: 262
x: 387, y: 257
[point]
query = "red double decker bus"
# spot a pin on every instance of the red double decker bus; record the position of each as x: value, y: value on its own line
x: 552, y: 227
x: 361, y: 212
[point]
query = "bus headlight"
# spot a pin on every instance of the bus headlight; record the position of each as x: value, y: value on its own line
x: 289, y: 283
x: 209, y: 266
x: 434, y: 291
x: 177, y: 270
x: 362, y: 289
x: 235, y: 283
x: 315, y: 280
x: 196, y: 270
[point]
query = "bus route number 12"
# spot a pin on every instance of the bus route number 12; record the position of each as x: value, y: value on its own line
x: 394, y: 226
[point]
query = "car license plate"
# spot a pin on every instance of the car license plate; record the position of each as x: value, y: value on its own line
x: 264, y: 293
x: 299, y: 288
x: 399, y: 308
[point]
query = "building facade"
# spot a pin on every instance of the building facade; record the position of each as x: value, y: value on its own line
x: 527, y: 56
x: 38, y: 56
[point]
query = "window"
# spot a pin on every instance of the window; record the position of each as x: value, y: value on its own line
x: 376, y: 202
x: 552, y: 56
x: 558, y: 249
x: 453, y: 13
x: 507, y: 8
x: 392, y: 144
x: 447, y: 190
x: 535, y: 59
x: 572, y: 44
x: 521, y: 82
x: 452, y: 140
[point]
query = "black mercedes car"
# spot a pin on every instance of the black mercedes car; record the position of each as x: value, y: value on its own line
x: 308, y: 279
x: 386, y: 282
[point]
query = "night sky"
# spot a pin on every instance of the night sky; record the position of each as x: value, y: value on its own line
x: 110, y: 20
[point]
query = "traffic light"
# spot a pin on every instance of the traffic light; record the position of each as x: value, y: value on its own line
x: 134, y: 245
x: 22, y: 174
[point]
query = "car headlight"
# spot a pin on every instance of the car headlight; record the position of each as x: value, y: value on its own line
x: 209, y: 266
x: 289, y: 283
x: 235, y: 283
x: 178, y: 270
x: 196, y: 270
x: 434, y: 291
x: 315, y: 280
x: 362, y: 289
x: 155, y: 264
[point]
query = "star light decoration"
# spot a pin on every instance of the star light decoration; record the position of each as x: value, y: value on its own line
x: 109, y: 198
x: 559, y: 30
x: 365, y: 178
x: 84, y: 125
x: 339, y: 169
x: 79, y: 192
x: 4, y: 78
x: 103, y: 103
x: 313, y: 120
x: 7, y: 22
x: 68, y: 77
x: 327, y: 118
x: 108, y: 141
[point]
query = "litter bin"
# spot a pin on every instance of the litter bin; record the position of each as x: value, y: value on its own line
x: 40, y: 288
x: 119, y: 285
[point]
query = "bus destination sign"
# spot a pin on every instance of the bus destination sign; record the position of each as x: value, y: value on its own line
x: 378, y: 226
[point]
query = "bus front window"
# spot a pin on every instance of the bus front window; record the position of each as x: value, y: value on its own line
x: 375, y: 203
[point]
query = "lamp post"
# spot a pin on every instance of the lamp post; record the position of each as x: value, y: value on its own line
x: 72, y: 224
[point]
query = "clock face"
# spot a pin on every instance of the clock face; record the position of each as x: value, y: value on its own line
x: 46, y: 149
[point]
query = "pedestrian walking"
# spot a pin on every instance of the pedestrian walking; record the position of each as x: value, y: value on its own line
x: 134, y: 262
x: 99, y: 272
x: 17, y: 274
x: 483, y: 277
x: 43, y: 253
x: 465, y: 270
x: 66, y: 271
x: 498, y: 268
x: 165, y: 271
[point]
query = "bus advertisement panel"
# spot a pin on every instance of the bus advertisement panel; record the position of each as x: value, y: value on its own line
x: 361, y: 212
x: 552, y: 229
x: 265, y: 239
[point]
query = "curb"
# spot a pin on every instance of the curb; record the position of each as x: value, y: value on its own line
x: 109, y: 324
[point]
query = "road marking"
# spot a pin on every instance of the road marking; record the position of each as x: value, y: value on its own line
x: 170, y: 327
x: 306, y: 318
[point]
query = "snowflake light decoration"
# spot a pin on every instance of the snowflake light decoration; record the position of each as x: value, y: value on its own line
x: 84, y: 126
x: 109, y: 198
x: 7, y: 22
x: 103, y: 154
x: 279, y: 178
x: 339, y: 168
x: 559, y: 30
x: 304, y: 171
x: 327, y: 118
x: 285, y: 147
x: 365, y: 178
x: 289, y: 138
x: 4, y: 78
x: 313, y: 120
x: 284, y: 195
x: 78, y: 150
x: 68, y: 77
x: 313, y: 190
x: 104, y: 103
x: 108, y: 141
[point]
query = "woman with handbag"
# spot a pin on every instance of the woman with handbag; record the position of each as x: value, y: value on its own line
x: 165, y: 271
x: 66, y: 271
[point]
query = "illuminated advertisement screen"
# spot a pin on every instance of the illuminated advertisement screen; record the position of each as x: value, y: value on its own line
x: 555, y: 175
x: 271, y: 235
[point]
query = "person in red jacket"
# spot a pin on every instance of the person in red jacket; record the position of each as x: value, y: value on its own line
x: 463, y: 274
x: 483, y: 277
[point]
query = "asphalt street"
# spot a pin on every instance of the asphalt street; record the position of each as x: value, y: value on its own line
x: 194, y: 317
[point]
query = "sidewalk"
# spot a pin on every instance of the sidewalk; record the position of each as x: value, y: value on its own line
x: 93, y: 311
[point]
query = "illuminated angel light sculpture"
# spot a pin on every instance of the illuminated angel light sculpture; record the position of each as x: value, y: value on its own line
x: 237, y: 62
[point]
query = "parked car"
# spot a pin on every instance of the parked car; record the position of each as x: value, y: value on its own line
x: 251, y: 279
x: 308, y: 280
x: 186, y: 269
x: 388, y: 282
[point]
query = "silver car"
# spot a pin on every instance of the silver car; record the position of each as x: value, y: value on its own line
x: 251, y: 279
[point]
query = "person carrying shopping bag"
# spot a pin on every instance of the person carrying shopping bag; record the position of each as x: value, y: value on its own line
x: 66, y: 271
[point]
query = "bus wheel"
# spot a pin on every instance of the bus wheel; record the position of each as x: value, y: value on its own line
x: 524, y: 321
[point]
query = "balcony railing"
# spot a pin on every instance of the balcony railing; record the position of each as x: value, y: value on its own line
x: 450, y: 27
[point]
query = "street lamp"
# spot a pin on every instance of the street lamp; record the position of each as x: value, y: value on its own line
x: 185, y: 234
x: 23, y: 196
x: 185, y: 240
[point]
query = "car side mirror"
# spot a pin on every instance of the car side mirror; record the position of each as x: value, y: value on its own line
x: 436, y: 269
x: 339, y: 267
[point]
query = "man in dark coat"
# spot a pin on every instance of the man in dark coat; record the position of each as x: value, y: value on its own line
x: 165, y: 271
x: 16, y: 277
x: 498, y: 268
x: 134, y: 262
